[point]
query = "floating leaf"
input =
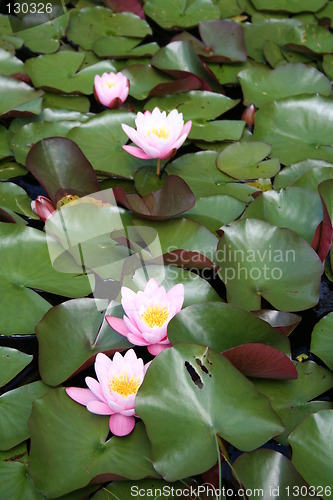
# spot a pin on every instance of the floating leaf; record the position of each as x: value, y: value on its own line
x: 16, y: 482
x: 218, y: 130
x: 89, y: 24
x: 263, y: 260
x: 224, y: 40
x: 62, y: 72
x: 261, y: 85
x: 16, y: 199
x: 295, y: 6
x: 285, y: 322
x: 292, y: 399
x: 12, y: 362
x: 61, y: 167
x: 14, y: 93
x: 77, y: 449
x: 178, y: 13
x: 322, y: 340
x: 195, y: 105
x: 143, y: 78
x: 270, y: 473
x: 297, y: 128
x: 223, y: 326
x: 241, y: 161
x: 287, y: 209
x: 120, y: 47
x: 9, y: 64
x: 294, y: 173
x: 71, y: 102
x: 15, y: 410
x: 312, y: 449
x: 191, y: 377
x: 5, y: 150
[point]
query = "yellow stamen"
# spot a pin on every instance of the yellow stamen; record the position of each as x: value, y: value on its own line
x: 159, y: 132
x: 108, y: 84
x: 155, y: 315
x: 124, y: 385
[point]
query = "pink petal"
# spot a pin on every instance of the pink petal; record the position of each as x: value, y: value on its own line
x: 99, y: 408
x: 176, y: 298
x: 82, y: 396
x: 95, y: 388
x: 121, y: 425
x: 155, y: 349
x: 102, y: 368
x: 187, y: 127
x: 150, y: 287
x: 117, y: 324
x: 133, y: 339
x: 138, y: 153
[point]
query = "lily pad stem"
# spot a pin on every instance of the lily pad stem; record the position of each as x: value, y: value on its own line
x: 158, y: 170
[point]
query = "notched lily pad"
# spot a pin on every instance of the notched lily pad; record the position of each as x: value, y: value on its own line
x: 174, y: 13
x: 12, y: 362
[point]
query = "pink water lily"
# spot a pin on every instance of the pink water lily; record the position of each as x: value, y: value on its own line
x: 111, y: 89
x: 147, y: 315
x: 114, y: 393
x: 158, y: 135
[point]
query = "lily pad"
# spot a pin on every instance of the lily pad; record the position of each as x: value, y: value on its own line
x: 44, y: 38
x: 60, y: 166
x: 71, y: 102
x: 214, y: 211
x: 292, y: 399
x: 89, y: 24
x: 285, y: 322
x: 101, y: 138
x: 60, y: 352
x: 179, y: 13
x: 15, y: 410
x: 297, y: 128
x: 261, y: 85
x: 143, y: 79
x: 195, y: 105
x: 241, y: 160
x: 294, y: 173
x: 62, y: 72
x: 312, y: 448
x: 121, y: 47
x: 16, y: 199
x: 16, y: 482
x: 287, y: 209
x: 12, y: 362
x: 5, y: 150
x: 295, y: 6
x: 14, y: 93
x: 243, y: 424
x: 263, y: 260
x: 9, y: 64
x: 77, y: 450
x: 22, y: 245
x: 322, y: 340
x: 146, y: 487
x: 218, y: 130
x: 270, y: 473
x: 224, y: 40
x: 223, y: 326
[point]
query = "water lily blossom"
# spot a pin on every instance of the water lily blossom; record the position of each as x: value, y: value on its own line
x: 111, y: 89
x: 157, y: 135
x: 147, y: 315
x: 114, y: 393
x: 43, y: 207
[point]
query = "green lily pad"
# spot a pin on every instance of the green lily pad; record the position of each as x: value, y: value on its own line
x: 15, y: 410
x: 297, y: 128
x: 228, y: 73
x: 223, y: 326
x: 322, y: 340
x: 14, y: 93
x: 295, y: 208
x: 15, y: 198
x: 195, y: 105
x: 59, y: 165
x: 295, y: 6
x: 62, y: 72
x: 214, y: 211
x: 5, y: 150
x: 100, y: 138
x: 218, y: 130
x: 261, y: 85
x: 181, y: 238
x: 273, y: 54
x: 77, y: 449
x: 89, y: 24
x: 272, y: 474
x: 146, y: 181
x: 71, y: 102
x: 60, y: 352
x: 246, y: 424
x: 292, y: 399
x: 258, y: 260
x: 32, y: 133
x: 312, y: 449
x: 10, y: 64
x: 241, y: 160
x: 12, y: 362
x: 179, y: 58
x: 16, y: 482
x: 26, y: 265
x: 312, y: 179
x: 191, y: 166
x: 179, y: 13
x: 120, y: 46
x: 44, y: 38
x: 328, y: 65
x: 143, y: 78
x: 223, y: 40
x: 289, y: 176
